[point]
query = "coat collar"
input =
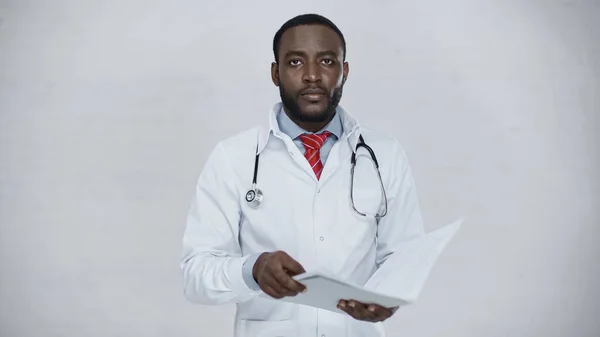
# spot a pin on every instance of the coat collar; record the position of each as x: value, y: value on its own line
x: 351, y: 128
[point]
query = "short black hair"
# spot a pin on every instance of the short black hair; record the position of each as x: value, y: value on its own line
x: 306, y: 19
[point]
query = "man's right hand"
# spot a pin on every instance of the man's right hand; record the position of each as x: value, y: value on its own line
x: 273, y: 272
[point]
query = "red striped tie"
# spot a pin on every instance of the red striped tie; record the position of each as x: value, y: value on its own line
x: 312, y: 143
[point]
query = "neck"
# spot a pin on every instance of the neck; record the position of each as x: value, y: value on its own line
x: 309, y: 126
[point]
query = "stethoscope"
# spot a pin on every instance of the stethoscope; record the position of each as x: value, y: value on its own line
x: 254, y: 196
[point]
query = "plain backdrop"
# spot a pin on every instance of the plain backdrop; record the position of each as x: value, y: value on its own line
x: 108, y: 110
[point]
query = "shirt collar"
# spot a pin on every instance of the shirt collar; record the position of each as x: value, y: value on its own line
x: 350, y: 129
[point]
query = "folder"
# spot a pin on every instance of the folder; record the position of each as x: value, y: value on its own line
x: 396, y: 283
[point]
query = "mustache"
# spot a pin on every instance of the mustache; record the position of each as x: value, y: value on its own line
x: 314, y: 90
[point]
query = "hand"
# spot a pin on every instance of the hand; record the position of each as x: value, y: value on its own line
x: 366, y: 312
x: 273, y: 272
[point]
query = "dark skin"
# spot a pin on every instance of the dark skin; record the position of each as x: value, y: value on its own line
x: 310, y: 74
x: 311, y: 60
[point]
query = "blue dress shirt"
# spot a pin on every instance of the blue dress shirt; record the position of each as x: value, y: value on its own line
x: 290, y: 128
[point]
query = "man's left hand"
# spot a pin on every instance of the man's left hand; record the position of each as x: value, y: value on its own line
x: 366, y: 312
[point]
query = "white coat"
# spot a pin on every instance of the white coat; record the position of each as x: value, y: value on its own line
x: 311, y: 220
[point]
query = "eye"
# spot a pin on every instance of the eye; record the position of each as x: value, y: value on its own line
x: 328, y: 61
x: 295, y: 62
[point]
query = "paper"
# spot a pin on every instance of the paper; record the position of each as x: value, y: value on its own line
x: 397, y: 282
x: 405, y: 273
x: 324, y: 291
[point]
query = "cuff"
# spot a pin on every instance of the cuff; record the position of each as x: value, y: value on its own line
x: 236, y: 279
x: 247, y: 272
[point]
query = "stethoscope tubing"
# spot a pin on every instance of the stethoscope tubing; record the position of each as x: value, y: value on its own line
x: 254, y: 196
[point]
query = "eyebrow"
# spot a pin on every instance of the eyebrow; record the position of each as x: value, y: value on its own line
x: 301, y: 53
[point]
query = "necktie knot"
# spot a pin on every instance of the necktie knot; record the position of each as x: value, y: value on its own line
x: 313, y: 141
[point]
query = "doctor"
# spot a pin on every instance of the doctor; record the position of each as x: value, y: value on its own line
x: 300, y: 192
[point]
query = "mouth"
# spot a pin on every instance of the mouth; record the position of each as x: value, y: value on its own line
x: 313, y: 94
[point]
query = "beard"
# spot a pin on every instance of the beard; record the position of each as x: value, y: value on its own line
x: 291, y: 104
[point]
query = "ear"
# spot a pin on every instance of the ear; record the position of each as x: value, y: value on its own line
x: 345, y: 72
x: 275, y: 73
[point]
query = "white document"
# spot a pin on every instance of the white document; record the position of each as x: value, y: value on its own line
x: 324, y: 291
x: 397, y: 282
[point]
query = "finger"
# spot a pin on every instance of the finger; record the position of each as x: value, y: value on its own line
x: 287, y: 282
x: 273, y: 292
x: 361, y: 311
x: 379, y: 311
x: 343, y: 305
x: 351, y: 313
x: 274, y: 283
x: 291, y: 265
x: 270, y: 291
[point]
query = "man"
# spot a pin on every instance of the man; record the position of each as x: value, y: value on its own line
x: 236, y: 252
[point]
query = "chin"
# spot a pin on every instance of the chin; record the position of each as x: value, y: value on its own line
x: 315, y: 112
x: 314, y: 115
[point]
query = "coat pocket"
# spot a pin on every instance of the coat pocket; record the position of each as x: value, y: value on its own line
x: 251, y: 328
x: 265, y: 309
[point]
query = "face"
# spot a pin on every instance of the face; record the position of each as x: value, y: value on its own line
x: 310, y: 73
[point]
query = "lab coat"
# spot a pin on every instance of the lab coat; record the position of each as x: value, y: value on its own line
x: 311, y: 220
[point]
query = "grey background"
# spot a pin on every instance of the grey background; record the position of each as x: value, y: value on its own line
x: 109, y: 108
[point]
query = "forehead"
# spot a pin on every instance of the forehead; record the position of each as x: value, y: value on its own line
x: 310, y: 39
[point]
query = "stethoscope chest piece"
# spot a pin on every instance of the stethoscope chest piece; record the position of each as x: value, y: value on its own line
x: 254, y: 197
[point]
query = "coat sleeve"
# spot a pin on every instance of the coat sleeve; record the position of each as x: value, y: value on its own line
x: 403, y: 220
x: 211, y: 261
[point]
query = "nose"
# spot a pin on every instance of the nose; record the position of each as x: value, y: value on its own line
x: 312, y: 73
